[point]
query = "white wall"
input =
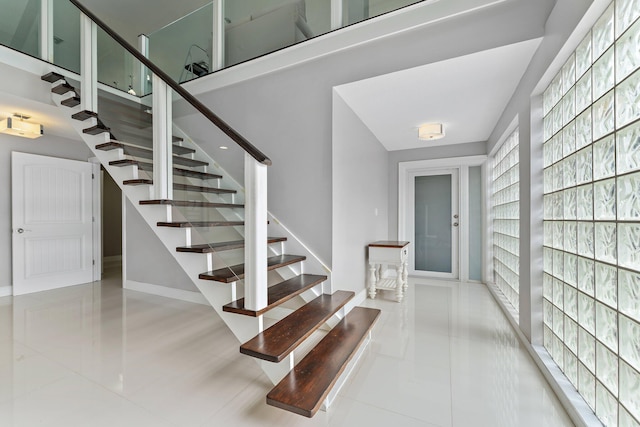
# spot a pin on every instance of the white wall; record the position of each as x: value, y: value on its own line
x: 360, y: 175
x: 288, y: 113
x: 47, y: 145
x: 148, y: 261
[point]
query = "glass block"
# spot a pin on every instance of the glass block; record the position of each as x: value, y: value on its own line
x: 605, y: 238
x: 547, y: 201
x: 571, y: 368
x: 558, y: 267
x: 558, y: 325
x: 626, y: 419
x: 571, y: 302
x: 604, y: 152
x: 548, y: 153
x: 629, y: 197
x: 548, y: 127
x: 604, y: 199
x: 547, y: 105
x: 585, y: 239
x: 603, y: 118
x: 571, y: 269
x: 547, y: 255
x: 569, y: 72
x: 603, y: 74
x: 627, y: 11
x: 603, y: 32
x: 557, y: 148
x: 558, y: 175
x: 558, y: 233
x: 571, y: 335
x: 606, y: 406
x: 587, y: 349
x: 583, y: 129
x: 569, y: 171
x: 547, y: 286
x: 547, y: 313
x: 569, y: 139
x: 558, y: 295
x: 627, y: 48
x: 630, y: 341
x: 628, y: 100
x: 558, y: 352
x: 569, y: 106
x: 586, y: 314
x: 607, y: 367
x: 630, y: 389
x: 607, y: 326
x: 607, y: 284
x: 548, y: 234
x: 583, y: 56
x: 556, y: 115
x: 629, y: 290
x: 585, y: 202
x: 548, y: 338
x: 583, y: 93
x: 570, y: 208
x: 586, y: 276
x: 587, y: 385
x: 558, y: 203
x: 629, y: 245
x: 628, y: 149
x: 571, y: 237
x: 584, y: 166
x: 556, y: 90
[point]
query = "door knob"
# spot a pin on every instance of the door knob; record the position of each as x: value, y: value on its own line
x: 456, y: 216
x: 455, y: 224
x: 20, y: 230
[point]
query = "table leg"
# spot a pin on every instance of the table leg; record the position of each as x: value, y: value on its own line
x: 405, y: 275
x: 372, y: 281
x: 399, y: 283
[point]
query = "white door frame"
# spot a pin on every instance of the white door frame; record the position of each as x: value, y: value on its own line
x: 408, y: 170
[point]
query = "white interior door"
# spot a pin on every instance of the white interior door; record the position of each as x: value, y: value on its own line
x: 433, y: 223
x: 52, y: 222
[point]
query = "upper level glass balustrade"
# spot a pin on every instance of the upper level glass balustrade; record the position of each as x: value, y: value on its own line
x: 190, y: 47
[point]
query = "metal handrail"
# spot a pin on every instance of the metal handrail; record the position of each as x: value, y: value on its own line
x: 221, y: 124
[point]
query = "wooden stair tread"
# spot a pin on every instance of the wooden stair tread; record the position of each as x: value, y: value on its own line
x: 305, y: 388
x: 84, y: 115
x: 63, y: 88
x: 276, y: 342
x: 188, y: 224
x: 278, y: 294
x: 236, y: 272
x: 137, y: 151
x: 222, y: 246
x: 190, y: 203
x: 52, y: 77
x: 71, y: 102
x: 144, y: 151
x: 96, y: 130
x: 145, y: 166
x: 138, y: 181
x: 199, y: 189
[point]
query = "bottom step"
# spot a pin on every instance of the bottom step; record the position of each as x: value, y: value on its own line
x: 304, y: 388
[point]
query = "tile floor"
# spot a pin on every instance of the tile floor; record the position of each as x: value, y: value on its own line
x: 95, y: 355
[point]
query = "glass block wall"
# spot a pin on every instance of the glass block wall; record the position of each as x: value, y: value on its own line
x: 592, y: 216
x: 506, y: 218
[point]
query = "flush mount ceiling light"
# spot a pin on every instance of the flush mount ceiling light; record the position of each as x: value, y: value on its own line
x: 19, y: 126
x: 431, y: 131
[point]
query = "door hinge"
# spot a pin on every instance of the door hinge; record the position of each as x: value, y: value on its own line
x: 93, y: 176
x: 93, y: 219
x: 93, y: 262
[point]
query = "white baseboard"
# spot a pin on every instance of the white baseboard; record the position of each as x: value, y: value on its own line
x: 112, y: 261
x: 163, y: 291
x: 6, y: 291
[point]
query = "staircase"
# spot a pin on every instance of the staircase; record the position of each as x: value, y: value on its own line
x: 300, y: 301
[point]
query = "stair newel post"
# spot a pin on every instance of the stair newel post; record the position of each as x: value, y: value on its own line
x: 88, y: 64
x: 162, y: 140
x: 255, y: 253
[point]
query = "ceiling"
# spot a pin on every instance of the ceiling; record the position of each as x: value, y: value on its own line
x: 467, y: 94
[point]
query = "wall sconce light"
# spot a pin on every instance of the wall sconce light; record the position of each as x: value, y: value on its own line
x: 431, y: 131
x: 19, y: 126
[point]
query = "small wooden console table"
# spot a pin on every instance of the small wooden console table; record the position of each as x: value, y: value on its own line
x: 388, y: 253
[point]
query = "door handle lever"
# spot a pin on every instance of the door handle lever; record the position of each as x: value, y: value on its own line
x: 21, y: 230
